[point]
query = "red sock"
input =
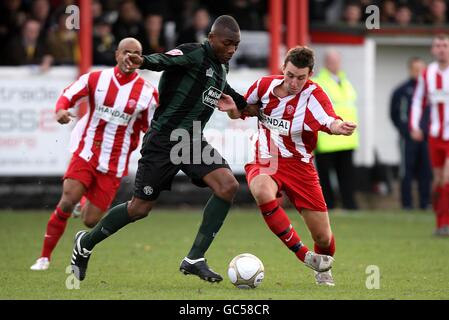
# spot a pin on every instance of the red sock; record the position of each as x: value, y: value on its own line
x: 436, y: 194
x: 55, y: 228
x: 444, y: 210
x: 442, y: 205
x: 329, y: 251
x: 279, y: 223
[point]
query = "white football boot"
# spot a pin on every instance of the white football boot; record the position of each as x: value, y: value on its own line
x: 324, y: 278
x: 318, y: 262
x: 41, y: 264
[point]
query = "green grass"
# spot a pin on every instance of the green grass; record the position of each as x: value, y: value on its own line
x: 141, y: 261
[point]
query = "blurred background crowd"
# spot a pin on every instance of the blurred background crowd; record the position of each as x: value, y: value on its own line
x: 34, y: 32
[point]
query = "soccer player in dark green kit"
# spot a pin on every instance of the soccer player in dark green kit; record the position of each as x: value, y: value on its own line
x: 193, y: 80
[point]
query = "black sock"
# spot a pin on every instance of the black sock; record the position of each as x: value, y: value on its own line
x: 214, y: 214
x: 113, y: 221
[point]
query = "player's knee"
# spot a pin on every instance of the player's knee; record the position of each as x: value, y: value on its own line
x: 137, y: 211
x: 228, y: 190
x: 67, y: 204
x: 90, y: 222
x: 263, y: 196
x: 322, y: 239
x: 233, y: 187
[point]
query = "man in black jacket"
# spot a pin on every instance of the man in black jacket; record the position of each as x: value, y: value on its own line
x: 415, y: 162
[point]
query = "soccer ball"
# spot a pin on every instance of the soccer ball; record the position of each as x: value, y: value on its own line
x: 246, y: 271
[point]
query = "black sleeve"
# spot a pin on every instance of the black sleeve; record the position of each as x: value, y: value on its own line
x: 238, y: 98
x: 184, y: 55
x: 395, y: 113
x: 394, y: 109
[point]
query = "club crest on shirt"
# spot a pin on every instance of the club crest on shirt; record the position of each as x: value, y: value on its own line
x: 174, y: 52
x: 131, y: 106
x: 132, y: 103
x: 290, y: 109
x: 210, y: 72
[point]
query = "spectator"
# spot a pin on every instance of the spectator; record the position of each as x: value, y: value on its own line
x: 199, y: 29
x: 147, y: 7
x: 415, y: 160
x: 388, y: 12
x: 40, y: 11
x: 403, y: 16
x: 217, y: 8
x: 352, y: 14
x: 63, y: 43
x: 97, y: 9
x: 11, y: 19
x: 29, y: 48
x: 421, y: 10
x: 104, y: 45
x: 437, y: 14
x: 249, y: 13
x: 336, y: 152
x: 318, y: 9
x: 128, y: 23
x: 154, y: 40
x: 185, y: 18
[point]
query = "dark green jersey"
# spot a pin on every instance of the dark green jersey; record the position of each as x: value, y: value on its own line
x: 190, y: 86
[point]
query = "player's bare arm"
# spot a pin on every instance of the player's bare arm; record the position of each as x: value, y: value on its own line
x: 339, y: 127
x: 133, y: 60
x: 227, y: 104
x: 64, y: 116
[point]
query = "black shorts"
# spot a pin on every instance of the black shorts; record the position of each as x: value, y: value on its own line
x: 162, y: 159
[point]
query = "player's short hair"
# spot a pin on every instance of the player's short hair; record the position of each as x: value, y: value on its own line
x: 225, y: 22
x: 412, y: 60
x: 301, y: 57
x: 441, y: 36
x: 124, y: 41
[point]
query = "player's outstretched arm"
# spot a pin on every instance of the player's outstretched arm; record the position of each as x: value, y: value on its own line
x: 63, y: 116
x: 186, y: 57
x: 227, y: 104
x: 340, y: 127
x: 133, y: 61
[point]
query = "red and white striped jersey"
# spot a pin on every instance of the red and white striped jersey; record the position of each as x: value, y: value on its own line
x: 120, y: 106
x: 288, y: 127
x: 432, y: 89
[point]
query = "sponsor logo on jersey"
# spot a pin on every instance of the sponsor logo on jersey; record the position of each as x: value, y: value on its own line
x: 211, y: 97
x: 279, y: 125
x: 112, y: 115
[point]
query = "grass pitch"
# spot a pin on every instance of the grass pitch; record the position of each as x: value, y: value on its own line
x: 141, y: 261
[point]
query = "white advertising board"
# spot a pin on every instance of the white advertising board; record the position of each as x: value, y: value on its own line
x: 32, y: 143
